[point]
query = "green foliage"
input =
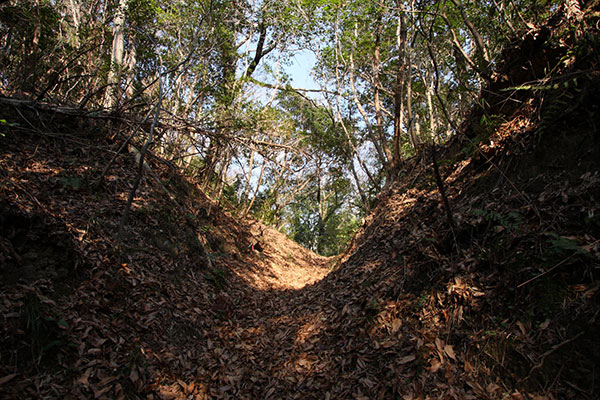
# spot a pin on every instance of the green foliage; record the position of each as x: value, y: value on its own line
x: 43, y: 332
x: 72, y: 182
x: 511, y: 220
x: 326, y: 227
x: 31, y: 33
x: 205, y: 53
x: 561, y: 246
x: 6, y: 123
x: 490, y: 123
x: 217, y: 277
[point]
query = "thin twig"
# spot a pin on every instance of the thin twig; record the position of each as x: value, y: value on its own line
x: 441, y: 188
x: 140, y: 171
x: 553, y: 268
x: 127, y: 141
x: 552, y: 350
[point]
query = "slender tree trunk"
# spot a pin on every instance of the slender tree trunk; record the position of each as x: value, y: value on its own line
x: 223, y: 175
x: 75, y: 12
x: 339, y: 113
x: 429, y: 99
x: 140, y: 169
x: 374, y: 140
x: 131, y: 70
x: 321, y: 211
x: 248, y: 177
x: 442, y: 190
x: 399, y: 87
x: 460, y: 54
x: 436, y: 85
x: 116, y: 60
x: 377, y: 88
x: 414, y: 140
x: 359, y: 188
x: 260, y: 176
x: 481, y: 48
x: 505, y: 19
x: 212, y: 156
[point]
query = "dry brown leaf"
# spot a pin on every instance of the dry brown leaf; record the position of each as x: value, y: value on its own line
x: 406, y: 359
x: 439, y: 343
x: 544, y: 325
x: 133, y: 375
x: 449, y: 350
x: 168, y: 393
x: 493, y: 388
x: 83, y: 379
x: 396, y: 324
x: 477, y: 388
x: 257, y: 351
x: 107, y: 380
x: 468, y: 367
x: 522, y: 328
x: 7, y: 378
x: 99, y: 393
x: 435, y: 365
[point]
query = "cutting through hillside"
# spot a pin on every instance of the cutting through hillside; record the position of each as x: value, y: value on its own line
x: 187, y: 273
x: 178, y: 221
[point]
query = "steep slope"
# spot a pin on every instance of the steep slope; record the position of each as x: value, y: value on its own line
x: 86, y: 317
x: 505, y: 303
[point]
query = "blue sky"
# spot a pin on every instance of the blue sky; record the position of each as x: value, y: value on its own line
x: 300, y: 70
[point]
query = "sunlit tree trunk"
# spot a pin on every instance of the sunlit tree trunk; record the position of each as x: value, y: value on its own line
x: 377, y: 89
x: 244, y: 198
x: 223, y: 174
x: 359, y: 188
x: 399, y: 86
x: 116, y: 59
x: 429, y: 92
x: 131, y: 69
x: 258, y: 183
x: 414, y: 140
x: 477, y: 38
x: 374, y: 140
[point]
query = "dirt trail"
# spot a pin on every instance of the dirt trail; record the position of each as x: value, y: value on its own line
x: 282, y: 264
x: 258, y: 349
x: 415, y: 310
x: 154, y: 320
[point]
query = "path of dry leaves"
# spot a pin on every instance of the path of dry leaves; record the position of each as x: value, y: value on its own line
x: 398, y: 316
x: 503, y: 306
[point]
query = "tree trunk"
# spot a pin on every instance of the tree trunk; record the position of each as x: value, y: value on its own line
x: 213, y: 153
x: 429, y: 98
x: 363, y: 113
x: 377, y: 88
x: 116, y: 60
x: 361, y: 192
x: 481, y: 48
x: 399, y: 88
x: 260, y: 176
x: 414, y: 140
x: 249, y: 176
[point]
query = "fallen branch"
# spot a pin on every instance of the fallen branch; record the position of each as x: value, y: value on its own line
x: 140, y: 171
x: 442, y: 189
x: 552, y: 350
x: 553, y: 268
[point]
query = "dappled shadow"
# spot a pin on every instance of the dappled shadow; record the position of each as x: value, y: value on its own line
x: 412, y: 309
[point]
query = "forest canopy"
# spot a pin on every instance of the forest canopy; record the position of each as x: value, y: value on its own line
x: 203, y: 83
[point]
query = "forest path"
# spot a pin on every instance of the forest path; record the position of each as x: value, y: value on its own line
x: 283, y: 264
x: 175, y: 326
x: 261, y: 347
